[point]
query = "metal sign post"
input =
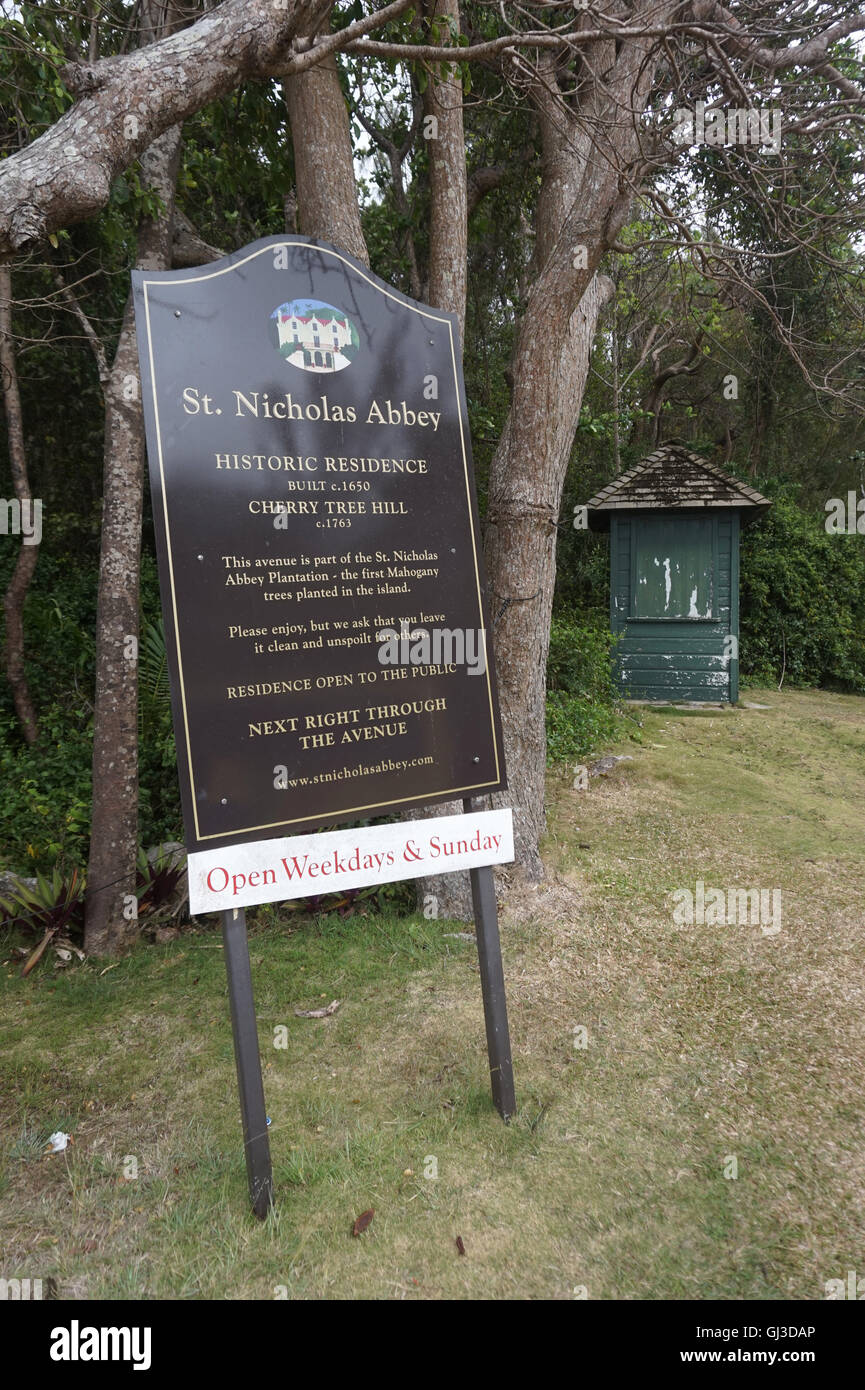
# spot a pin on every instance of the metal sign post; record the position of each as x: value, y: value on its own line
x: 245, y: 1030
x: 256, y: 1144
x: 493, y: 985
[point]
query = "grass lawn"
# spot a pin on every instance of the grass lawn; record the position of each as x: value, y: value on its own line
x: 709, y: 1049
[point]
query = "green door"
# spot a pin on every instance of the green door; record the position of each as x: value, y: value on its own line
x: 674, y: 568
x: 672, y: 575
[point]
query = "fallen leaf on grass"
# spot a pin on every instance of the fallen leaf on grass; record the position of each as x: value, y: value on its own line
x: 36, y: 955
x: 362, y: 1222
x: 319, y: 1013
x: 460, y: 1245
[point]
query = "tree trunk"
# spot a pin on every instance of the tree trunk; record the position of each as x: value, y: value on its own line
x: 327, y: 205
x: 583, y: 200
x: 443, y: 131
x: 110, y: 920
x: 446, y: 896
x: 16, y: 593
x: 525, y: 493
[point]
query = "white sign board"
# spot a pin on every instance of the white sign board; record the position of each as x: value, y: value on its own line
x: 302, y: 866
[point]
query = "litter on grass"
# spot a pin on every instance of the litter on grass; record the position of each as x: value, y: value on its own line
x: 319, y: 1013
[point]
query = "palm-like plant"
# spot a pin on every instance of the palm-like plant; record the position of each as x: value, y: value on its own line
x: 51, y: 905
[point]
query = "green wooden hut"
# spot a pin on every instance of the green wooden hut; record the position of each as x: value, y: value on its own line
x: 674, y: 523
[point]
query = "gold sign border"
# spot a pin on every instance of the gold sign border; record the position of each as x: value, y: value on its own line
x: 165, y: 284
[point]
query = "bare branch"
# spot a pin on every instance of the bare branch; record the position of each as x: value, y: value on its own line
x: 70, y: 299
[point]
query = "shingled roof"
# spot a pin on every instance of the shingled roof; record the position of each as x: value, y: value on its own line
x: 672, y: 478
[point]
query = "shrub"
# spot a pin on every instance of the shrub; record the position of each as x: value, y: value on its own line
x: 802, y: 600
x: 583, y: 709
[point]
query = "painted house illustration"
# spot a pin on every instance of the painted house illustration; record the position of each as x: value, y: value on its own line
x: 314, y: 336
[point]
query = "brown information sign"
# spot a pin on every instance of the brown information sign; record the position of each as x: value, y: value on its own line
x: 318, y: 543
